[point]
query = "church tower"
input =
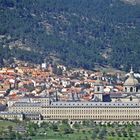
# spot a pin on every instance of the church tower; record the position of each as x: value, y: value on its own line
x: 99, y: 89
x: 131, y: 84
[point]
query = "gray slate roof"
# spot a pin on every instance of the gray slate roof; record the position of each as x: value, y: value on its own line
x: 94, y: 104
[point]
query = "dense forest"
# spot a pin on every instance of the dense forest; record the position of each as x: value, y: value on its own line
x: 80, y: 33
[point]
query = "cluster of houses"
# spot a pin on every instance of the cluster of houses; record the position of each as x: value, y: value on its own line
x: 45, y: 93
x: 21, y: 81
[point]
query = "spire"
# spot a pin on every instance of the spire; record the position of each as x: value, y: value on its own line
x: 131, y: 70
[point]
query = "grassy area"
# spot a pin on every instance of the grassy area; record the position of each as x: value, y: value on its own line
x: 81, y: 135
x: 63, y: 131
x: 74, y: 136
x: 4, y: 124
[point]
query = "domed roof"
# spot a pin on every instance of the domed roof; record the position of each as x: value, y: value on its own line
x: 131, y: 81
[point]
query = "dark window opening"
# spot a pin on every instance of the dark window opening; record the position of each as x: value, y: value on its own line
x: 98, y: 88
x: 131, y: 98
x: 125, y: 89
x: 131, y: 89
x: 136, y: 89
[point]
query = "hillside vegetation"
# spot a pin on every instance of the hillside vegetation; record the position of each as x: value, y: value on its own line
x: 81, y: 33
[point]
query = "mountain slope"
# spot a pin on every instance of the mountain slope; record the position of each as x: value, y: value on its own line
x: 80, y: 33
x: 134, y: 2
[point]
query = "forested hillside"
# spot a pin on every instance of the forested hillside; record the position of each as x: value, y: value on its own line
x: 80, y: 33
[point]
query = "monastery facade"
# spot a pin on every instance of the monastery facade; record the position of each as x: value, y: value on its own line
x: 123, y: 107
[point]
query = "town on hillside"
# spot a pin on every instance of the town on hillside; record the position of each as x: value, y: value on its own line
x: 57, y: 92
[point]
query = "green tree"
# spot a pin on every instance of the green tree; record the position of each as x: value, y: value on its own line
x: 54, y: 127
x: 94, y: 135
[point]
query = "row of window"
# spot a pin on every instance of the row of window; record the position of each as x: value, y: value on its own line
x: 79, y: 111
x: 92, y: 117
x: 91, y: 111
x: 98, y: 107
x: 75, y: 105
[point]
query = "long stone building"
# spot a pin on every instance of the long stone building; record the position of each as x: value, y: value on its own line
x: 126, y: 109
x: 97, y: 111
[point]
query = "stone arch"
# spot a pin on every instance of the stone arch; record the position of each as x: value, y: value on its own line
x: 125, y: 89
x: 131, y: 89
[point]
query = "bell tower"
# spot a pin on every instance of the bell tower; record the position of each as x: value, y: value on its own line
x: 99, y: 89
